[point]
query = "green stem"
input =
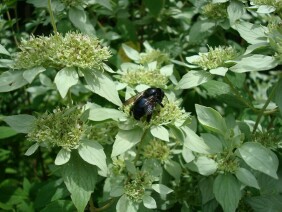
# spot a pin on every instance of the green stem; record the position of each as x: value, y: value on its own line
x: 70, y: 102
x: 93, y: 209
x: 139, y: 147
x: 238, y: 95
x: 262, y: 111
x: 52, y: 17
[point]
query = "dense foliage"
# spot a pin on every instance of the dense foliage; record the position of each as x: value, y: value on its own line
x: 67, y: 67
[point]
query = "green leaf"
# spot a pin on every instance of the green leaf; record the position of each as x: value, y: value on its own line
x: 101, y: 114
x: 62, y: 157
x: 167, y: 70
x: 105, y: 3
x: 6, y: 132
x: 278, y: 96
x: 195, y: 143
x: 80, y: 20
x: 130, y: 52
x: 267, y: 203
x: 152, y: 167
x: 149, y: 202
x: 3, y: 50
x: 30, y: 74
x: 211, y: 119
x: 213, y: 142
x: 193, y: 79
x: 250, y: 32
x: 155, y: 7
x: 31, y: 149
x: 187, y: 154
x: 266, y: 9
x: 125, y: 205
x: 259, y: 158
x: 92, y: 152
x: 11, y: 80
x: 160, y: 132
x: 206, y: 188
x: 103, y: 85
x: 64, y: 79
x: 221, y: 71
x: 201, y: 30
x: 254, y: 62
x: 216, y: 88
x: 21, y: 123
x: 235, y: 11
x: 80, y: 179
x: 161, y: 189
x: 174, y: 169
x: 125, y: 140
x: 246, y: 177
x: 205, y: 166
x: 117, y: 191
x: 227, y: 192
x: 59, y: 205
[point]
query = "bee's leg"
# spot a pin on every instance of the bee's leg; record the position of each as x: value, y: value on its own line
x: 148, y: 118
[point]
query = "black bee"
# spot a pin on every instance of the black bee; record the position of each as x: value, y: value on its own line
x: 145, y: 103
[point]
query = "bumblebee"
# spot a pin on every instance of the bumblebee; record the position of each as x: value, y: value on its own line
x: 145, y: 102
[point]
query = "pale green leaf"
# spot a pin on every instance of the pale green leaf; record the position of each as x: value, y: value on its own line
x: 221, y: 71
x: 254, y: 62
x: 149, y: 202
x: 235, y: 11
x: 266, y: 203
x: 161, y: 189
x: 11, y: 80
x: 103, y: 85
x: 22, y: 123
x: 187, y: 154
x: 31, y: 149
x: 3, y: 50
x: 64, y: 79
x: 30, y: 74
x: 167, y: 70
x: 195, y: 143
x: 130, y: 52
x: 211, y: 119
x: 80, y: 179
x: 266, y: 9
x: 125, y: 140
x: 227, y: 192
x: 101, y: 114
x: 193, y: 79
x: 152, y: 167
x: 250, y: 32
x: 259, y: 158
x: 200, y: 30
x: 155, y: 7
x: 246, y: 177
x: 117, y: 191
x: 205, y: 166
x: 92, y: 152
x: 62, y: 157
x: 160, y: 132
x: 125, y: 205
x: 80, y: 20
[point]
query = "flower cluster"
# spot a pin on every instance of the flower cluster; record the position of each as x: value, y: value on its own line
x: 228, y: 164
x: 135, y: 188
x: 154, y: 55
x: 157, y: 149
x: 216, y: 57
x: 144, y: 76
x: 215, y: 11
x: 58, y: 51
x: 118, y: 165
x: 62, y: 128
x: 268, y: 139
x: 104, y: 132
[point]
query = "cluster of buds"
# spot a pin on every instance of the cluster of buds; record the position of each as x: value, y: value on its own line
x: 157, y: 149
x: 215, y: 10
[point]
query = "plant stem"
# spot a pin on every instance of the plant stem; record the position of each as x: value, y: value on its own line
x: 139, y: 147
x: 264, y: 107
x: 52, y: 17
x: 93, y: 209
x: 238, y: 95
x: 70, y: 102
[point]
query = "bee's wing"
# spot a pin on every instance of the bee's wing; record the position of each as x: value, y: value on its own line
x: 133, y: 98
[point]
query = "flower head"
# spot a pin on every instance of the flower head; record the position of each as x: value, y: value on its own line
x: 144, y: 75
x: 62, y: 128
x: 135, y: 188
x: 153, y: 55
x: 157, y: 149
x: 216, y: 57
x: 215, y: 10
x: 58, y: 51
